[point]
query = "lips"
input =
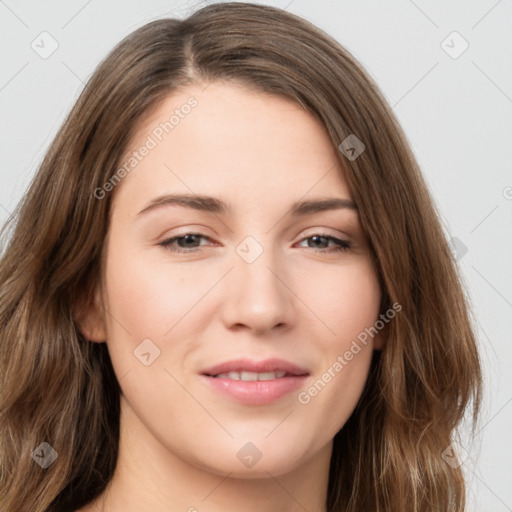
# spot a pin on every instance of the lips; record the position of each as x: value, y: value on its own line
x: 255, y: 382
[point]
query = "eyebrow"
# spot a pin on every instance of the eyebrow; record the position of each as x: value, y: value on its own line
x: 217, y: 206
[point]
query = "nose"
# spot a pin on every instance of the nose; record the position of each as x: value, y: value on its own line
x: 258, y: 296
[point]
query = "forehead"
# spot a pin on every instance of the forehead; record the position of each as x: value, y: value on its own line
x: 221, y: 137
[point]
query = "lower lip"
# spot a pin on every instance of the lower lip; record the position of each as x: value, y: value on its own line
x: 256, y: 392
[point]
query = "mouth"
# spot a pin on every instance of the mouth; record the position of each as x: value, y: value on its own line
x: 252, y: 382
x: 252, y: 376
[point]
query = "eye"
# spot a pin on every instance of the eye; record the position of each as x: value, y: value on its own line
x: 188, y: 243
x: 341, y: 245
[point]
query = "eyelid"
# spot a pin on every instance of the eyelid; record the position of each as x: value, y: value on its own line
x: 189, y: 229
x: 336, y: 233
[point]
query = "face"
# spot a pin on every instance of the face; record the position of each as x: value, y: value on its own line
x: 233, y: 317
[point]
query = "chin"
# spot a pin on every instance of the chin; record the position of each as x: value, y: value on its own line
x: 260, y: 470
x: 248, y: 462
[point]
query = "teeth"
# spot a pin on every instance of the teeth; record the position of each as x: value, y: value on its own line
x: 248, y: 376
x: 251, y: 376
x: 268, y: 376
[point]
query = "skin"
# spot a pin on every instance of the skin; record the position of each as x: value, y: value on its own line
x: 179, y: 438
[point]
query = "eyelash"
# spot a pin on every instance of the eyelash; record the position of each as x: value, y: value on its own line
x: 343, y: 245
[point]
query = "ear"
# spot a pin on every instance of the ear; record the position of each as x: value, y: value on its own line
x: 89, y: 318
x: 379, y: 340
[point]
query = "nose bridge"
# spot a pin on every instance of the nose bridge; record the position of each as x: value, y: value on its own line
x: 259, y: 298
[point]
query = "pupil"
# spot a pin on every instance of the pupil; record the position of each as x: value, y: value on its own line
x: 189, y: 238
x: 317, y: 238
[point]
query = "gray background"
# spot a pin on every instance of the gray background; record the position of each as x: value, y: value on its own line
x: 455, y: 109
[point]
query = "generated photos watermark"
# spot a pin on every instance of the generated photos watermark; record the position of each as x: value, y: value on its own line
x: 304, y: 397
x: 157, y: 135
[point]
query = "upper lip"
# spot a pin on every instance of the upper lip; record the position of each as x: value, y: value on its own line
x: 249, y: 365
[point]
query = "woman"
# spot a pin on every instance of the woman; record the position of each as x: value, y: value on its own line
x: 313, y: 351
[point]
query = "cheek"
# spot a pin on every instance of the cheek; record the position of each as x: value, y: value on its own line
x: 347, y: 300
x: 349, y: 305
x: 148, y: 299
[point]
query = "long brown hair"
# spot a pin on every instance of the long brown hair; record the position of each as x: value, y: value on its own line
x: 58, y: 387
